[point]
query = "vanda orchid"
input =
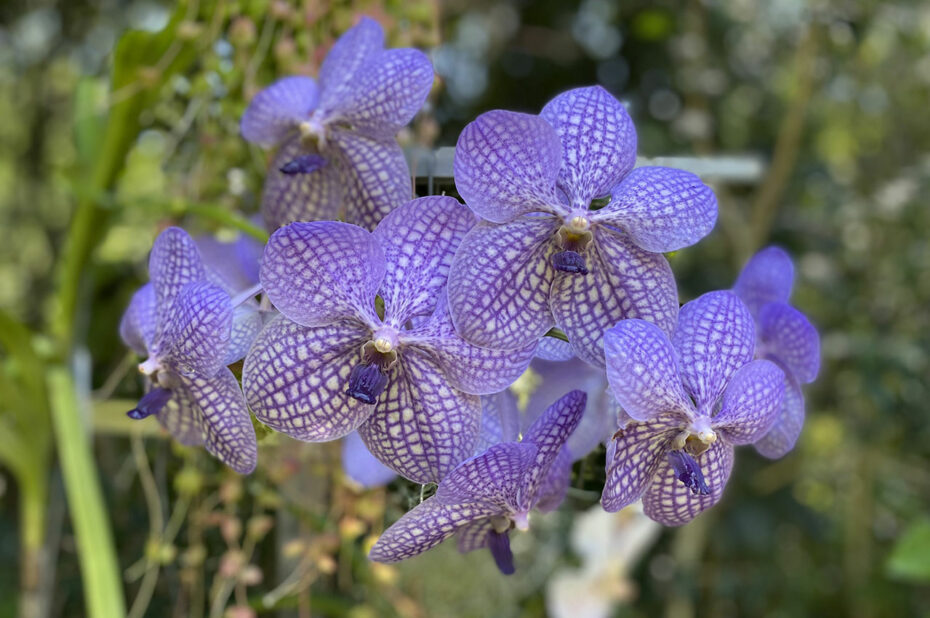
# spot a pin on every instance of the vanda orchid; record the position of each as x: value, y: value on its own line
x: 336, y: 149
x: 543, y: 256
x: 189, y: 329
x: 414, y: 328
x: 333, y: 363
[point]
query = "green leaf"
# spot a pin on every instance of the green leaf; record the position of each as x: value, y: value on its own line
x: 910, y: 558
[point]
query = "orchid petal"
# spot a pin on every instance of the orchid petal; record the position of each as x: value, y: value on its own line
x: 276, y: 111
x: 361, y: 466
x: 196, y: 333
x: 474, y: 535
x: 386, y: 92
x: 549, y: 433
x: 598, y: 421
x: 715, y: 337
x: 500, y: 283
x: 643, y: 372
x: 623, y: 282
x: 494, y: 478
x: 500, y: 420
x: 786, y: 335
x: 789, y: 421
x: 598, y: 142
x: 421, y: 427
x: 423, y: 528
x: 321, y: 271
x: 419, y: 240
x: 314, y: 196
x: 224, y: 419
x: 552, y: 349
x: 246, y: 324
x: 353, y: 49
x: 173, y: 263
x: 670, y: 502
x: 137, y: 326
x: 506, y: 165
x: 554, y: 485
x: 751, y: 402
x: 180, y: 418
x: 374, y: 176
x: 662, y: 209
x: 295, y: 378
x: 633, y: 458
x: 766, y: 278
x: 233, y: 265
x: 470, y: 368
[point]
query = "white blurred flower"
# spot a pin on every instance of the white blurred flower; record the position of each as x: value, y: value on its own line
x: 609, y: 544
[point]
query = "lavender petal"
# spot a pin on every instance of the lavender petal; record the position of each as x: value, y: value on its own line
x: 555, y: 483
x: 388, y: 89
x: 643, y: 371
x: 789, y: 421
x: 500, y: 283
x: 421, y: 427
x: 474, y: 535
x: 549, y: 433
x: 137, y: 326
x: 670, y: 502
x: 598, y: 422
x: 276, y: 111
x: 231, y: 265
x: 598, y: 142
x: 624, y: 282
x: 788, y: 336
x: 374, y: 176
x: 470, y: 368
x: 173, y: 263
x: 180, y: 418
x: 196, y: 332
x: 287, y: 198
x: 321, y: 271
x: 346, y: 57
x: 494, y: 478
x: 661, y: 208
x: 715, y: 337
x: 361, y: 466
x: 499, y: 544
x: 423, y: 528
x: 224, y: 419
x: 506, y: 165
x: 500, y: 420
x: 767, y: 277
x: 633, y: 459
x: 419, y: 240
x: 295, y: 378
x: 246, y: 324
x: 751, y: 402
x: 552, y: 349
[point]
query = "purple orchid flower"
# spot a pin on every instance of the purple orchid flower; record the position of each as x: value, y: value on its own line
x: 691, y: 400
x: 784, y: 336
x: 542, y: 257
x: 337, y: 153
x: 190, y: 329
x: 331, y: 363
x: 486, y: 496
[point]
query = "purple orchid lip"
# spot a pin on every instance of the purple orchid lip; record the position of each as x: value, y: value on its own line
x: 151, y: 403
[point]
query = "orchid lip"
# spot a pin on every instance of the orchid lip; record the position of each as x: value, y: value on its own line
x: 688, y: 471
x: 569, y: 262
x: 151, y: 403
x: 366, y: 383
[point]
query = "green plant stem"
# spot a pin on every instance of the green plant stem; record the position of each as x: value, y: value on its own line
x: 96, y: 551
x: 223, y: 216
x: 555, y: 333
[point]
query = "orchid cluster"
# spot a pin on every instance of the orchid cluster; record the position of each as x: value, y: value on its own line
x: 483, y: 346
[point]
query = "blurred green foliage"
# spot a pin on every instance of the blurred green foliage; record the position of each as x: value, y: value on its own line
x: 834, y: 95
